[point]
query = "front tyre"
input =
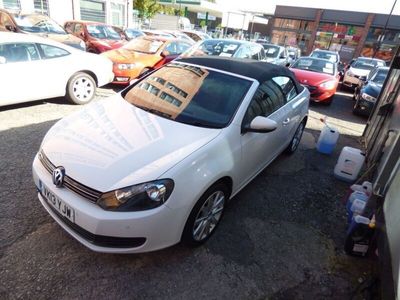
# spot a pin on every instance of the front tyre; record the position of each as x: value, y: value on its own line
x: 294, y: 144
x: 205, y: 215
x: 81, y: 88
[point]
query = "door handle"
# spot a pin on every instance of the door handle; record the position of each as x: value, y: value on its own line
x: 287, y: 121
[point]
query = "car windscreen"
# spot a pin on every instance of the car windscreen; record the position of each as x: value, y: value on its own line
x: 325, y: 55
x: 380, y: 77
x: 213, y: 48
x: 38, y: 23
x: 271, y: 51
x: 144, y: 45
x: 366, y: 64
x: 315, y: 65
x: 190, y: 94
x: 103, y: 32
x: 131, y: 33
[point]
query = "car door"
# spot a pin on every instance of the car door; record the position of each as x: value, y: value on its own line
x: 20, y: 64
x: 56, y: 68
x: 293, y: 105
x: 259, y: 149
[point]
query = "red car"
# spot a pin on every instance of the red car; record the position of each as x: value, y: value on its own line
x: 98, y: 37
x: 320, y: 76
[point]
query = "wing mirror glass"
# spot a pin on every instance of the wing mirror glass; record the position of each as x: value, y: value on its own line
x: 261, y: 125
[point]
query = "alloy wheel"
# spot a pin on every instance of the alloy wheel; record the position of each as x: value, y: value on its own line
x: 83, y: 88
x: 208, y: 216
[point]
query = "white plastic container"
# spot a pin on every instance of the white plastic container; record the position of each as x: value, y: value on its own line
x: 349, y: 164
x: 327, y: 140
x: 365, y: 187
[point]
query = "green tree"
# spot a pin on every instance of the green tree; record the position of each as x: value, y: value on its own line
x: 147, y: 8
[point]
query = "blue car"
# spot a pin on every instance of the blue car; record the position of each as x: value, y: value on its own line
x: 367, y: 92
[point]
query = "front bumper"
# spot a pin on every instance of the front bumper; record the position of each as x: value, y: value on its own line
x: 124, y: 76
x: 351, y: 81
x: 107, y: 231
x: 319, y: 95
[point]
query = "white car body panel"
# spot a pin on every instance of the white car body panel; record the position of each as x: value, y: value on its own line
x: 110, y: 151
x: 46, y: 78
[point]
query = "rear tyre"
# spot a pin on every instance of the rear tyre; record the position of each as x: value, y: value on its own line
x: 205, y: 215
x: 81, y: 88
x: 294, y: 144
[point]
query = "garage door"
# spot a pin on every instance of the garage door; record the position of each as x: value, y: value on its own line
x: 92, y: 10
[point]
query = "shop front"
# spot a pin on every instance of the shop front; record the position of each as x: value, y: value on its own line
x: 380, y: 44
x: 338, y: 37
x: 295, y: 33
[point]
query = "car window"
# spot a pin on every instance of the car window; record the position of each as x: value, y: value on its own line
x: 182, y: 47
x: 69, y: 27
x: 19, y: 52
x: 172, y: 48
x: 52, y: 51
x: 255, y: 52
x: 287, y: 86
x: 262, y: 54
x: 36, y: 23
x: 4, y: 21
x: 190, y: 95
x: 325, y: 55
x: 214, y: 48
x: 267, y: 99
x: 271, y: 51
x: 144, y: 45
x: 315, y: 65
x: 78, y: 28
x: 379, y: 76
x: 244, y: 52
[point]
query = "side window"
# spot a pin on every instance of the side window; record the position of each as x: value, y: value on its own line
x: 182, y: 47
x: 4, y: 21
x: 69, y: 27
x: 19, y: 52
x: 244, y: 52
x: 287, y: 86
x: 255, y: 52
x: 52, y: 51
x: 78, y: 28
x: 267, y: 99
x: 262, y: 54
x: 172, y: 48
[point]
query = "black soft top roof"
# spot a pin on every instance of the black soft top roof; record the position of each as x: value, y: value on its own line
x: 258, y: 70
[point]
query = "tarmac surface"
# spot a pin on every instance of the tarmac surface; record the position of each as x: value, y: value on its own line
x: 281, y: 237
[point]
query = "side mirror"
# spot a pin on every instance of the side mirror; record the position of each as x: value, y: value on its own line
x: 11, y: 28
x: 287, y: 65
x: 260, y: 125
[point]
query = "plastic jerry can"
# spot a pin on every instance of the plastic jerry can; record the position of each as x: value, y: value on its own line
x: 327, y: 139
x: 356, y: 204
x: 349, y: 164
x: 359, y: 236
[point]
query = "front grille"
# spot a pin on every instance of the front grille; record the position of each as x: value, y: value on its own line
x: 100, y: 240
x: 70, y: 183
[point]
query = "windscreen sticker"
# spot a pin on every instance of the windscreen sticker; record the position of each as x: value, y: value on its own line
x: 305, y: 63
x: 225, y: 54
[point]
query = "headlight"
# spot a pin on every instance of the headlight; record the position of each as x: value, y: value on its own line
x: 138, y: 197
x: 368, y: 97
x: 125, y: 66
x: 328, y: 84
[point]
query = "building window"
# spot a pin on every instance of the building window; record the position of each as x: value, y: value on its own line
x: 176, y: 90
x: 290, y: 38
x: 93, y: 10
x: 41, y: 7
x: 158, y: 79
x: 12, y: 4
x: 301, y: 25
x: 170, y: 99
x: 150, y: 88
x: 117, y: 14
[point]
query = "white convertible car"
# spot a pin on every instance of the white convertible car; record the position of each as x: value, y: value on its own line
x: 157, y: 163
x: 35, y: 68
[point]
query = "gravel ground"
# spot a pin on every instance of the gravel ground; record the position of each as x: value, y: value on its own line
x: 281, y: 237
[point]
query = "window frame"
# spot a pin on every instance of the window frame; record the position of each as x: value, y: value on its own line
x: 243, y: 123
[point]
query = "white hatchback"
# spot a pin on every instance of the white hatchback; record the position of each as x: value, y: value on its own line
x: 157, y: 163
x: 35, y: 68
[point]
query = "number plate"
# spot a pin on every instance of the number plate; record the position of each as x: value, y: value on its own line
x: 57, y: 203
